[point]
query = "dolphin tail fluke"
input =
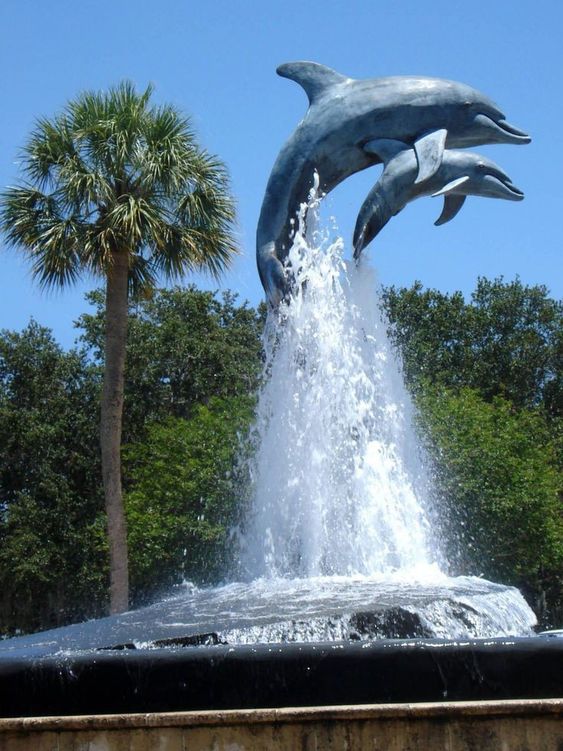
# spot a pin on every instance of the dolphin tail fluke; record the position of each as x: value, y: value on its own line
x: 273, y: 274
x: 313, y: 77
x: 429, y: 152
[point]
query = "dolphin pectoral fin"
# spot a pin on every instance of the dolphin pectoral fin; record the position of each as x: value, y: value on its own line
x: 451, y: 186
x: 385, y: 148
x: 429, y: 152
x: 313, y: 77
x: 452, y: 204
x: 452, y: 201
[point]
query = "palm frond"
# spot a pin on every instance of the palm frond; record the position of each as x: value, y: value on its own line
x: 110, y: 174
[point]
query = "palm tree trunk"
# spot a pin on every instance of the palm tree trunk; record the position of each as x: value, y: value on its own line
x: 110, y: 429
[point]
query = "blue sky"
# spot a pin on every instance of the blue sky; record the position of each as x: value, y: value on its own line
x: 216, y: 61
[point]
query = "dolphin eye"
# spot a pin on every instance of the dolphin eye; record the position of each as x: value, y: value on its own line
x: 482, y: 167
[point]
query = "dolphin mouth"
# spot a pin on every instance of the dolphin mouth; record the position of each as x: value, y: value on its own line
x: 512, y: 129
x: 509, y: 133
x: 502, y: 188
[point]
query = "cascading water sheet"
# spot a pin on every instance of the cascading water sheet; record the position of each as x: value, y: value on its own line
x: 338, y: 478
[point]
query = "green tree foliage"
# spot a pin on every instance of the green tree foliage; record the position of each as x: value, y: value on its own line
x: 119, y: 189
x: 499, y: 485
x: 507, y: 341
x: 187, y: 482
x: 52, y: 542
x: 195, y: 359
x: 184, y: 347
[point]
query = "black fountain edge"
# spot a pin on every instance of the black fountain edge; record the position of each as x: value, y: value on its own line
x: 280, y: 675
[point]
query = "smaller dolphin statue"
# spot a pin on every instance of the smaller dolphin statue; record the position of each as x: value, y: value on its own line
x: 461, y: 174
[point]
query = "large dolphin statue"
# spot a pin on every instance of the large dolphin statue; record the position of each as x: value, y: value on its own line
x: 426, y: 114
x: 461, y: 174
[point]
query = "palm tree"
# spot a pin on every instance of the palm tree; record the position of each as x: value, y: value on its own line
x: 119, y: 189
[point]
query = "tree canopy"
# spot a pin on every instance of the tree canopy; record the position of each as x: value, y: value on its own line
x: 498, y: 487
x: 506, y: 341
x: 183, y: 431
x: 113, y: 172
x: 187, y: 483
x: 185, y: 346
x: 52, y: 544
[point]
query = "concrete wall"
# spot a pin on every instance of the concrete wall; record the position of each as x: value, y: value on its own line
x: 457, y: 726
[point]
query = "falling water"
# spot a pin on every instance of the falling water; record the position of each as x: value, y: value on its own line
x: 339, y: 522
x: 338, y: 542
x: 339, y: 485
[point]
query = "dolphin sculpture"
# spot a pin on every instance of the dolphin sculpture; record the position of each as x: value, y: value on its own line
x: 461, y: 174
x: 426, y: 114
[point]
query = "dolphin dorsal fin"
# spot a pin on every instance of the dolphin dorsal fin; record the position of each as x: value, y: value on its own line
x: 429, y: 152
x: 313, y: 77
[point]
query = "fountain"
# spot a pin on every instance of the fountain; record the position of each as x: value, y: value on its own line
x: 341, y: 594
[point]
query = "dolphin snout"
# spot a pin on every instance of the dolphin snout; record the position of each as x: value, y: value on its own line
x: 508, y: 128
x: 501, y: 130
x: 493, y: 187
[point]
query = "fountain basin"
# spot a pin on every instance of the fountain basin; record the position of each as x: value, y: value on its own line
x: 280, y: 675
x: 299, y: 642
